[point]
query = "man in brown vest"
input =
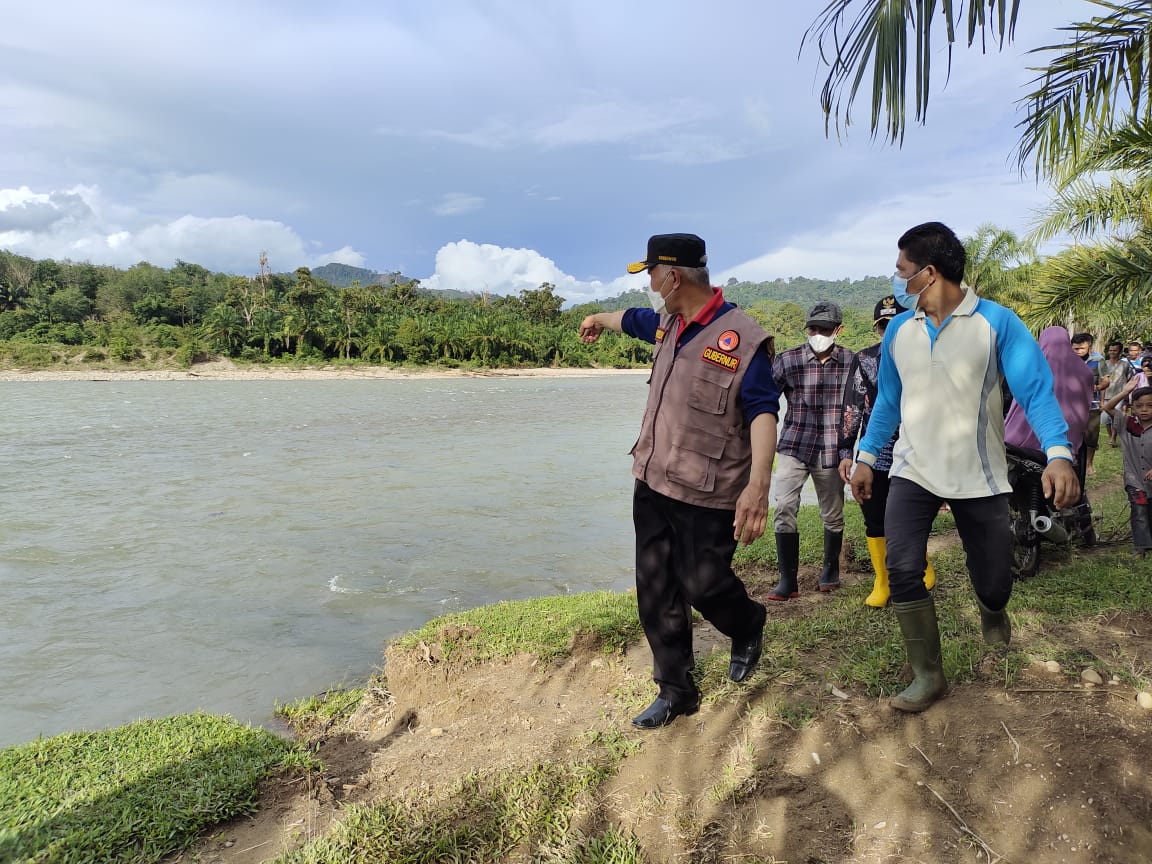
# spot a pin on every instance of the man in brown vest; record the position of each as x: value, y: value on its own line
x: 702, y: 463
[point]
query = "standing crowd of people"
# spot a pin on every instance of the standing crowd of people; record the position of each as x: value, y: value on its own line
x: 910, y: 424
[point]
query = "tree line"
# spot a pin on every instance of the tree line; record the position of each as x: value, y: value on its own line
x: 62, y: 311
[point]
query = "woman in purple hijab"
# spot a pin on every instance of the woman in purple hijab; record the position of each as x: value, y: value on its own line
x: 1073, y: 382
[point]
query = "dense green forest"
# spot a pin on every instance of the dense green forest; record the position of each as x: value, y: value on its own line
x: 63, y: 312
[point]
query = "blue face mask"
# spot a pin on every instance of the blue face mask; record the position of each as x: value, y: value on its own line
x: 900, y: 290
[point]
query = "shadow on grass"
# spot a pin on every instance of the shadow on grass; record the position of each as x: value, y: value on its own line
x: 135, y: 793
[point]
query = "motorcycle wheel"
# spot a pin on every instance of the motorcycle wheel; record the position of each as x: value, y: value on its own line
x: 1025, y: 543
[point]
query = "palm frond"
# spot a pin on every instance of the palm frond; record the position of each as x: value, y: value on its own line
x: 1124, y: 148
x: 1097, y: 81
x: 853, y: 36
x: 1084, y: 207
x: 1109, y: 283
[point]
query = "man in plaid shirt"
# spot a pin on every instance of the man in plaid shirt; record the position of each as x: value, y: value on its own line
x: 812, y: 379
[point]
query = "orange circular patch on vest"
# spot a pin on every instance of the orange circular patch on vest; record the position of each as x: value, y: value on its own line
x: 728, y: 340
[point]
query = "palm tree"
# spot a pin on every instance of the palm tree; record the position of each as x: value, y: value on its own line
x: 1098, y: 81
x: 1102, y: 199
x: 302, y: 304
x: 999, y: 265
x: 877, y: 38
x: 1101, y: 78
x: 1089, y: 111
x: 224, y: 329
x: 377, y: 342
x: 1104, y: 287
x: 267, y: 326
x: 1107, y: 186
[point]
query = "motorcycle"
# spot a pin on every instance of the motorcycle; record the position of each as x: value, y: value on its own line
x: 1034, y: 519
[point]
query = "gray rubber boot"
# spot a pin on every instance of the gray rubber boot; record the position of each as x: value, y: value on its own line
x: 996, y: 626
x: 921, y: 634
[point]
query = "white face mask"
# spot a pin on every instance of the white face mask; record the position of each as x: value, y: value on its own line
x: 659, y: 305
x: 821, y: 343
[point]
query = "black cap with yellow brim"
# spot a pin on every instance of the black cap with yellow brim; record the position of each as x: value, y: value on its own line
x: 675, y: 250
x: 885, y: 310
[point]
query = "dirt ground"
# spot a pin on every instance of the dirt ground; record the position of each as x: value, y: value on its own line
x: 1048, y: 770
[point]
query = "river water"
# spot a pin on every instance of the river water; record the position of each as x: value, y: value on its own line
x: 221, y: 545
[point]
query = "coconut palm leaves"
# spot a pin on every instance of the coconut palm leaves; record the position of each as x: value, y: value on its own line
x: 1105, y: 287
x: 1096, y: 81
x: 855, y: 36
x: 1107, y: 187
x: 1084, y: 207
x: 1089, y: 128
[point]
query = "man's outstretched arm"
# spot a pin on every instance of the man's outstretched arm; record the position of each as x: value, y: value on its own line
x: 596, y: 323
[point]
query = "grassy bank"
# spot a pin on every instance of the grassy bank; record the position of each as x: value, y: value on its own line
x: 144, y: 790
x: 136, y: 792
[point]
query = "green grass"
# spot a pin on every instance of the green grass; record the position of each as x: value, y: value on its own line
x: 547, y: 627
x: 134, y: 793
x: 514, y: 814
x: 322, y: 710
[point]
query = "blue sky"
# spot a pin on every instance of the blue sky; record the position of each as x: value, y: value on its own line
x: 480, y: 145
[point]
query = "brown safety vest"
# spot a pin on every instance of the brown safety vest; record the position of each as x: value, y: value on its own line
x: 694, y: 444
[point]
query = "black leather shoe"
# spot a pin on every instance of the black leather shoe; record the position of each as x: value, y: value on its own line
x: 662, y: 712
x: 745, y: 656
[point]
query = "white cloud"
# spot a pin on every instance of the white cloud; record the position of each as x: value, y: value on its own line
x: 22, y: 210
x: 484, y: 267
x: 862, y: 241
x: 457, y: 203
x: 610, y: 122
x: 864, y: 244
x: 697, y: 149
x: 73, y: 224
x: 343, y: 255
x: 595, y: 123
x: 492, y: 134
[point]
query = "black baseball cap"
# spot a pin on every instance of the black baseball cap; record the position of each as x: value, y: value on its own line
x: 886, y: 309
x: 824, y: 314
x: 675, y: 250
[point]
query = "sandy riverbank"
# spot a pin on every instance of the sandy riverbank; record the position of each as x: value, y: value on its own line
x: 226, y: 370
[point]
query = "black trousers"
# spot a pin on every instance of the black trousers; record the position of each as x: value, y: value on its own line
x: 873, y: 509
x: 984, y: 531
x: 684, y: 561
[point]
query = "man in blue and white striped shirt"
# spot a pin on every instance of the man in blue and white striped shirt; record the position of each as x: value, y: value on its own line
x: 939, y: 383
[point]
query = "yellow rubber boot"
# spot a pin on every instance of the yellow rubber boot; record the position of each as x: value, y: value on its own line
x: 929, y: 576
x: 878, y: 552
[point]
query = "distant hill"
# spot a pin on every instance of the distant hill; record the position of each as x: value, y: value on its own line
x: 343, y: 275
x: 854, y: 294
x: 851, y: 294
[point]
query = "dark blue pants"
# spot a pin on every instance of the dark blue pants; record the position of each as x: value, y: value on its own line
x: 684, y: 561
x: 984, y: 531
